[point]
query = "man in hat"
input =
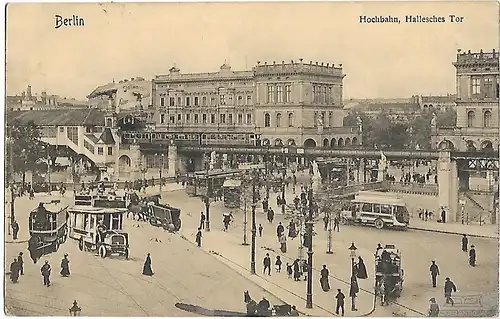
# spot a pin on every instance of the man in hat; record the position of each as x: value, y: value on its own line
x: 465, y: 243
x: 65, y: 266
x: 449, y: 287
x: 433, y: 308
x: 45, y: 270
x: 472, y: 256
x: 434, y: 269
x: 20, y: 261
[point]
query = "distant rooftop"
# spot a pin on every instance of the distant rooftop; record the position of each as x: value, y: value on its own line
x: 475, y: 57
x: 59, y: 117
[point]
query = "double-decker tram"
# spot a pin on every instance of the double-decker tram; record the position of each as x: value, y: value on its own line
x: 47, y: 228
x: 96, y: 221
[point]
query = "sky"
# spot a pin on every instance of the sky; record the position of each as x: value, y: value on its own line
x: 145, y: 39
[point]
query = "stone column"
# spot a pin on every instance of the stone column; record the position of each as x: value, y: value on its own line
x: 348, y: 168
x: 447, y: 187
x: 135, y: 161
x: 172, y: 160
x: 361, y: 171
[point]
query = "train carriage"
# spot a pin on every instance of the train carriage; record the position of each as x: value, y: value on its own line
x: 96, y: 221
x: 48, y: 228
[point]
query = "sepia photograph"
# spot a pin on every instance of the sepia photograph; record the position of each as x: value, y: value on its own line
x: 199, y: 159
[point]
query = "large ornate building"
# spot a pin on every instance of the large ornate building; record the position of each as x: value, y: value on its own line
x: 292, y: 103
x: 476, y: 104
x: 29, y: 101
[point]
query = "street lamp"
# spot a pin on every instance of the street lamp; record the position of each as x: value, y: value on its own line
x: 75, y: 310
x: 283, y: 193
x: 161, y: 168
x: 310, y: 224
x: 353, y: 249
x: 245, y: 243
x: 207, y: 200
x: 329, y: 232
x: 254, y: 226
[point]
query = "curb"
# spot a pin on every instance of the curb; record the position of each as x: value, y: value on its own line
x: 16, y: 242
x: 451, y: 232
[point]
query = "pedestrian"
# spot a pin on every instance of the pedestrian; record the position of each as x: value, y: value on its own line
x: 278, y: 263
x: 449, y: 287
x: 279, y: 230
x: 294, y: 312
x: 443, y: 216
x: 270, y: 215
x: 465, y: 243
x: 289, y: 270
x: 325, y: 285
x: 325, y: 221
x: 20, y: 261
x: 426, y: 214
x: 336, y: 223
x: 265, y: 205
x: 296, y: 270
x: 361, y: 269
x: 260, y: 230
x: 267, y: 264
x: 282, y: 241
x: 379, y: 246
x: 202, y: 220
x: 15, y: 229
x: 14, y: 271
x: 65, y: 266
x: 472, y: 256
x: 305, y: 269
x: 45, y: 270
x: 353, y: 291
x: 198, y: 237
x: 146, y: 269
x: 340, y: 302
x: 433, y: 308
x: 434, y: 269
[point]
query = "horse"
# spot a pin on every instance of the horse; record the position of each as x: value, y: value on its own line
x: 382, y: 291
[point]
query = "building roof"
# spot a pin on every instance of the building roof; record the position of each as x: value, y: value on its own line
x: 110, y: 87
x: 439, y: 99
x: 59, y: 117
x: 70, y: 102
x: 92, y: 137
x: 107, y: 136
x: 378, y: 106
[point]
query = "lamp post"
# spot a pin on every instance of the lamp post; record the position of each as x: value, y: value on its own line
x: 162, y: 156
x: 245, y: 243
x: 207, y: 200
x: 310, y: 224
x: 283, y: 193
x: 75, y: 310
x: 254, y: 227
x: 266, y: 164
x: 329, y: 232
x: 352, y: 250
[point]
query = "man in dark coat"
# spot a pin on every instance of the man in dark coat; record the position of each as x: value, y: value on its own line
x: 449, y: 287
x: 20, y: 261
x: 45, y: 270
x: 465, y: 243
x: 267, y: 264
x: 280, y: 230
x: 472, y: 256
x: 15, y: 229
x: 14, y: 271
x: 353, y: 291
x: 198, y: 237
x: 270, y: 215
x: 265, y: 205
x: 147, y: 270
x: 326, y: 219
x: 336, y: 223
x: 65, y: 266
x: 443, y: 216
x: 260, y: 230
x: 361, y: 273
x: 434, y: 269
x: 325, y: 285
x: 202, y: 220
x: 296, y: 270
x: 340, y: 302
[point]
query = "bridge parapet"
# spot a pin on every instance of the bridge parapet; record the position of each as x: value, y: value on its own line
x: 413, y: 188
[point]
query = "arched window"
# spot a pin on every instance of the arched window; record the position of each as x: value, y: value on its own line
x: 278, y: 120
x: 267, y: 120
x: 290, y: 119
x: 470, y: 118
x: 487, y: 119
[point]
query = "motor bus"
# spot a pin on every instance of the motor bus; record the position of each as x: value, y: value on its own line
x: 198, y: 182
x: 377, y: 209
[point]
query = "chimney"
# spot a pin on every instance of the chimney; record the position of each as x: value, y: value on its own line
x: 28, y: 92
x: 321, y: 63
x: 282, y: 62
x: 468, y: 52
x: 301, y: 60
x: 340, y: 64
x: 328, y: 65
x: 258, y: 62
x: 292, y: 62
x: 274, y: 62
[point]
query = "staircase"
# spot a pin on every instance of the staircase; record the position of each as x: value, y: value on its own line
x: 478, y: 207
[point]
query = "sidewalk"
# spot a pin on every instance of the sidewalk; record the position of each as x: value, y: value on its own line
x: 484, y: 231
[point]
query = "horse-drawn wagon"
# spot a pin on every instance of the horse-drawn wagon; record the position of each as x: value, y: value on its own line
x: 389, y: 273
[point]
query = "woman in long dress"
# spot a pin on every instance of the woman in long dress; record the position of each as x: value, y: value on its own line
x: 325, y: 285
x: 65, y: 266
x: 283, y: 243
x: 147, y: 270
x: 361, y: 269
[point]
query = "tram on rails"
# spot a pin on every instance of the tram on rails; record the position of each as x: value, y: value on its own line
x: 96, y: 221
x: 216, y: 138
x: 48, y: 228
x: 200, y: 183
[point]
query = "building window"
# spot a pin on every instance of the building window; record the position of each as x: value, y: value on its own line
x: 195, y: 101
x: 71, y: 133
x: 278, y: 120
x: 188, y: 101
x: 179, y: 101
x: 330, y: 98
x: 290, y: 119
x: 162, y: 118
x: 162, y: 101
x: 230, y: 98
x: 314, y: 94
x: 222, y: 118
x: 188, y: 118
x: 204, y: 101
x: 212, y: 101
x: 488, y: 87
x: 230, y: 119
x: 249, y: 119
x: 179, y: 117
x: 288, y: 93
x: 222, y: 99
x: 100, y: 151
x: 270, y: 93
x: 240, y: 118
x: 212, y: 118
x: 172, y: 101
x: 279, y: 90
x: 324, y: 100
x: 330, y: 119
x: 476, y: 86
x: 61, y: 129
x: 172, y: 119
x: 204, y: 119
x: 109, y: 122
x: 196, y: 119
x: 249, y: 100
x: 240, y: 100
x: 487, y: 119
x: 323, y: 117
x: 315, y: 118
x: 110, y: 150
x: 470, y: 118
x: 267, y: 120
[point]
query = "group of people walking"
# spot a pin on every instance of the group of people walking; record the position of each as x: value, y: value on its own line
x: 17, y: 269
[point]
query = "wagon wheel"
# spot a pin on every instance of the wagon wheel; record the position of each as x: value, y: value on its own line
x: 379, y: 223
x: 102, y: 251
x: 343, y: 220
x: 80, y: 244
